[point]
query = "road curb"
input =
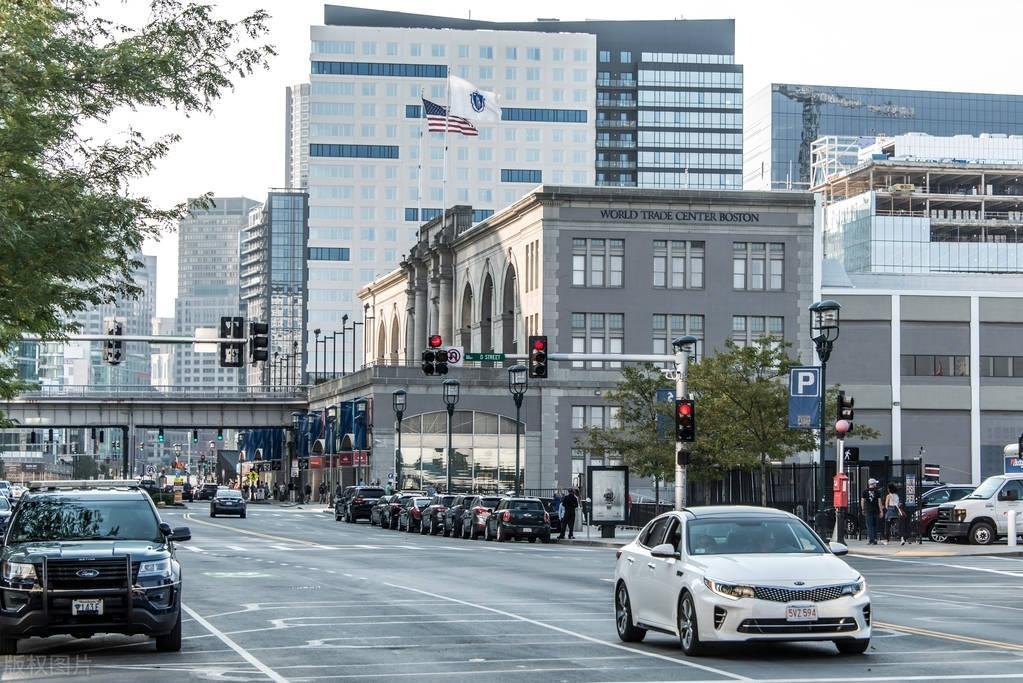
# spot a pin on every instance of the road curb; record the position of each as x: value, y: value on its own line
x: 939, y: 554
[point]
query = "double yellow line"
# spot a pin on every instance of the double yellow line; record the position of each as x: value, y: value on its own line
x: 916, y: 631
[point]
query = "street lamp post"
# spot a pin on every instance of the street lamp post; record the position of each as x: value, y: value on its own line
x: 682, y: 347
x: 451, y: 388
x: 518, y: 382
x: 344, y: 322
x: 398, y: 401
x: 316, y: 354
x: 824, y: 322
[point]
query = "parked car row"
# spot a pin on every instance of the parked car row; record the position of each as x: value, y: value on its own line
x: 468, y: 516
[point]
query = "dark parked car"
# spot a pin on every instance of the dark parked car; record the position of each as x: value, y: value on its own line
x: 227, y: 502
x: 433, y: 515
x: 375, y: 513
x: 946, y: 493
x: 389, y: 516
x: 357, y: 503
x: 207, y: 492
x: 552, y: 514
x: 5, y: 513
x: 474, y: 520
x: 515, y: 518
x: 453, y: 515
x: 411, y: 516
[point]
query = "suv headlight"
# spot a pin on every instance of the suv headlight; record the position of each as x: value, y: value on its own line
x: 854, y: 589
x: 959, y: 514
x: 19, y: 571
x: 729, y: 590
x: 160, y: 568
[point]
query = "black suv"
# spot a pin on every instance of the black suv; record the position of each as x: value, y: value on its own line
x: 357, y: 503
x: 82, y: 558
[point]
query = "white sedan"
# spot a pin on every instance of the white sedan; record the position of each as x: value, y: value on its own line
x: 728, y: 574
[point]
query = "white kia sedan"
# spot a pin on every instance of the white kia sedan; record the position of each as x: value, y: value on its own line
x: 733, y: 574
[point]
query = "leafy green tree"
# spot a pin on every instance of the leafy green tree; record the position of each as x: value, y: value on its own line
x: 70, y: 226
x: 742, y: 416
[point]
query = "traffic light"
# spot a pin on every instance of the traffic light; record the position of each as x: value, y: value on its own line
x: 538, y: 356
x: 231, y: 327
x: 50, y: 440
x: 32, y: 437
x: 259, y: 342
x: 113, y: 350
x: 159, y: 435
x: 845, y: 409
x: 101, y: 436
x: 195, y: 436
x: 92, y: 433
x: 435, y: 359
x: 685, y: 419
x: 220, y: 435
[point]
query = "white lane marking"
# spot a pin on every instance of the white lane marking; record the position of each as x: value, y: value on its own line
x: 616, y: 646
x: 944, y: 564
x: 281, y: 547
x: 957, y: 603
x: 245, y: 654
x: 868, y: 679
x: 235, y: 547
x: 193, y: 548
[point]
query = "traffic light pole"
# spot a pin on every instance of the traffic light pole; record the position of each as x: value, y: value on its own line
x: 681, y: 391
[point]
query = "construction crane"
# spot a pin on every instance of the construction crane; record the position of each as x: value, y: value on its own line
x: 812, y: 99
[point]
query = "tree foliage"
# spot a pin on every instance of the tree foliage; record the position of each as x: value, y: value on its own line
x: 70, y: 226
x: 741, y: 415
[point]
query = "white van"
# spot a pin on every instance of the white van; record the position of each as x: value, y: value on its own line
x: 982, y: 516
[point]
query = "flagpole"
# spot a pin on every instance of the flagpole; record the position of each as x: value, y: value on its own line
x: 444, y: 184
x: 422, y: 134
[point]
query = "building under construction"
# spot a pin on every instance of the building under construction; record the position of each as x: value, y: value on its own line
x: 782, y: 120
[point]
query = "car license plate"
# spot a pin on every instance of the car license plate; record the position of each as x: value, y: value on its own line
x: 801, y: 613
x: 86, y: 607
x: 527, y: 530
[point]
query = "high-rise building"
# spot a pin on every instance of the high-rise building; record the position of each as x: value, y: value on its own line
x: 653, y: 103
x: 80, y: 363
x: 208, y: 258
x: 783, y: 119
x: 273, y: 283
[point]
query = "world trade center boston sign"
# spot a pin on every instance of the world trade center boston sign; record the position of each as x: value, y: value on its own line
x: 613, y: 215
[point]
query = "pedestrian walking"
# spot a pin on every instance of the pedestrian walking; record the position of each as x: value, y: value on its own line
x: 893, y: 514
x: 323, y: 492
x: 308, y: 497
x: 570, y: 503
x: 291, y: 491
x: 337, y: 492
x: 870, y: 505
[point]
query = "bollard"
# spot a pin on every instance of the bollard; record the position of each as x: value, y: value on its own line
x: 1012, y: 527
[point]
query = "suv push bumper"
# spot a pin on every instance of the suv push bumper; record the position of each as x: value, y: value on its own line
x: 952, y: 529
x: 33, y: 620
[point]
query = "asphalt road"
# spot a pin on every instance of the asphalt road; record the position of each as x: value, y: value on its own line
x: 289, y: 594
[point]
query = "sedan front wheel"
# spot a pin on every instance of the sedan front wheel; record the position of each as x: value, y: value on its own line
x: 688, y: 627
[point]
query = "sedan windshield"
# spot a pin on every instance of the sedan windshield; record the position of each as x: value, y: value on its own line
x: 751, y: 535
x: 988, y: 488
x: 68, y: 519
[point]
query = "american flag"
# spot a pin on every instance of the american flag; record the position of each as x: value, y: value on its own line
x: 438, y: 121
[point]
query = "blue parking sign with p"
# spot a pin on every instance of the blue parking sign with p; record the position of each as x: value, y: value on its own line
x: 804, y: 398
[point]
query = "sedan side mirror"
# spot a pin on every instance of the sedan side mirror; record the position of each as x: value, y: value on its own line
x: 181, y: 533
x: 838, y: 548
x: 666, y: 550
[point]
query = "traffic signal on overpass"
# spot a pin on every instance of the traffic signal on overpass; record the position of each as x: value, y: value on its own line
x: 159, y: 435
x: 685, y: 419
x: 538, y: 356
x: 845, y: 409
x: 435, y: 358
x: 113, y: 349
x: 259, y: 342
x: 231, y: 327
x: 220, y: 435
x: 195, y: 436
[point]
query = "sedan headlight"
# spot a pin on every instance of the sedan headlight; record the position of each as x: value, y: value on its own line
x: 729, y: 590
x: 855, y: 589
x: 160, y: 568
x: 959, y: 514
x: 19, y: 571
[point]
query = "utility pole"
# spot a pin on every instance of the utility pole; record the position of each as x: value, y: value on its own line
x: 681, y: 347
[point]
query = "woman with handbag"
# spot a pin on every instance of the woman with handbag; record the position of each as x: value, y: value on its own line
x: 893, y: 514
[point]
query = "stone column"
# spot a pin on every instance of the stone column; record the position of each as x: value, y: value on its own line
x: 419, y: 310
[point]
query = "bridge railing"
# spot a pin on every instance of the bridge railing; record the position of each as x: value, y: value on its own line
x: 181, y: 393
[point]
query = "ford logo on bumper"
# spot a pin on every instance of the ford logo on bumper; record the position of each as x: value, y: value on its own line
x: 87, y: 573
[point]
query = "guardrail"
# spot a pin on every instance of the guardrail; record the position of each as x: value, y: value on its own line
x: 173, y: 393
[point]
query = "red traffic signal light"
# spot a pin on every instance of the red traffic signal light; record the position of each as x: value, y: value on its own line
x: 685, y: 419
x: 538, y: 356
x: 685, y: 409
x: 539, y: 344
x: 435, y: 341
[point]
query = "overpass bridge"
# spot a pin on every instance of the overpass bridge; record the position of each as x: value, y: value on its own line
x: 141, y: 408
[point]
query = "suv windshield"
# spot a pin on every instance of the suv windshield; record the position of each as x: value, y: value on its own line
x: 230, y: 493
x: 62, y: 518
x: 987, y: 489
x: 750, y: 535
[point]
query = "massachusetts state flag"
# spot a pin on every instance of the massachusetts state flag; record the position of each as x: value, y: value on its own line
x: 469, y: 101
x: 438, y: 121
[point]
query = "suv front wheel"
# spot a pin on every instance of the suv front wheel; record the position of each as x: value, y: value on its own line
x: 170, y: 642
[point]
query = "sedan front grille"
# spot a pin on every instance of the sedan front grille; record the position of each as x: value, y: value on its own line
x: 781, y: 626
x: 777, y: 594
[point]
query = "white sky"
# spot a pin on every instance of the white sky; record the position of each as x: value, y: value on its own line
x: 937, y: 45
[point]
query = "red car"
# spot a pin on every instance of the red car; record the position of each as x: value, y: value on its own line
x: 932, y: 500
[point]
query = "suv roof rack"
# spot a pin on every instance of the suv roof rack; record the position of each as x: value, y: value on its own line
x: 59, y: 484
